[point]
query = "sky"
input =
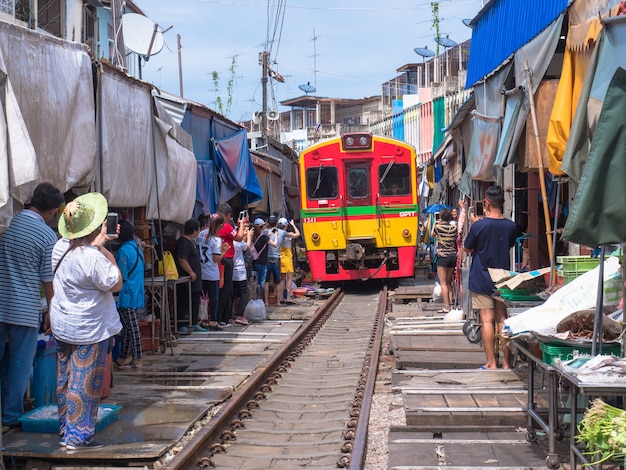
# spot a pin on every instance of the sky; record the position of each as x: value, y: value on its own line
x: 344, y: 48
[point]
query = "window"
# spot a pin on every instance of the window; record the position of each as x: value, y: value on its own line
x: 394, y: 179
x: 322, y: 182
x: 358, y: 183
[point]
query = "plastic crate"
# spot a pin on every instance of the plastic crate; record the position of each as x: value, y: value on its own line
x: 518, y: 295
x: 552, y: 352
x: 46, y: 418
x: 43, y: 384
x: 577, y: 264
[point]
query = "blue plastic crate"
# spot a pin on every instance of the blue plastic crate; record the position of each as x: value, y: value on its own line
x: 46, y: 418
x: 43, y: 385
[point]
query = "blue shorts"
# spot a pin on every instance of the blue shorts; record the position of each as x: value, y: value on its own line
x: 274, y: 269
x: 261, y: 272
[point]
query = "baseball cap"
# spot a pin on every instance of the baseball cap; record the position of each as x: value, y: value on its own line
x: 283, y: 222
x: 259, y: 221
x: 272, y: 220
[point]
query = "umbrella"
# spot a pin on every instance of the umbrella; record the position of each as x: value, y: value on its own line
x: 434, y: 208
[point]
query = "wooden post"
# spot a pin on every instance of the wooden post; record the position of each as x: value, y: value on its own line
x: 542, y: 181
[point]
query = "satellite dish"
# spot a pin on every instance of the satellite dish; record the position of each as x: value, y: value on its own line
x: 308, y: 88
x: 445, y: 42
x: 424, y: 52
x: 467, y: 22
x: 141, y: 35
x: 273, y: 115
x: 256, y: 117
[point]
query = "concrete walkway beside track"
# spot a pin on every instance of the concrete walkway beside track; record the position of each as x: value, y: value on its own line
x: 172, y: 393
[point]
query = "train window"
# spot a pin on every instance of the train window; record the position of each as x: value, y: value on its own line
x: 394, y: 179
x: 358, y: 183
x: 322, y: 182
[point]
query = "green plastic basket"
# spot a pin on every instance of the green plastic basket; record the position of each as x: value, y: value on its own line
x: 552, y: 352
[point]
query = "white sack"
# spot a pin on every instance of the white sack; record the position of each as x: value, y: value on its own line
x: 580, y: 294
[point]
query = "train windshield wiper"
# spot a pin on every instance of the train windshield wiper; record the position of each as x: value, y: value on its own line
x: 389, y: 165
x: 319, y: 180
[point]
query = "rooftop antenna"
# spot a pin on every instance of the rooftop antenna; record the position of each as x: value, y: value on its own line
x: 307, y: 88
x: 142, y: 36
x: 446, y: 43
x: 314, y: 39
x: 424, y: 52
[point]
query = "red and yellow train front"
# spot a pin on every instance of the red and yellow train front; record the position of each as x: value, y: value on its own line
x: 359, y: 208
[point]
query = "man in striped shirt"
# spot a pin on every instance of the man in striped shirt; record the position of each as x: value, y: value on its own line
x: 25, y: 256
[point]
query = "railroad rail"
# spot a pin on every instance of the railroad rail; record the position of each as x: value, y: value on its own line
x: 329, y: 366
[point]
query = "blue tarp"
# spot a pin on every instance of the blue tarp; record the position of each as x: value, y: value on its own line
x: 236, y: 170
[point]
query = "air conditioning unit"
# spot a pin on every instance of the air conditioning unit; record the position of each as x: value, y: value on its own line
x: 273, y: 115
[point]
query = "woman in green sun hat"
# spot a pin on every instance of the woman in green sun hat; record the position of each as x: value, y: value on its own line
x: 83, y: 316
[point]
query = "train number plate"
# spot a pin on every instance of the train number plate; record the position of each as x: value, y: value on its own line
x: 408, y: 214
x: 309, y: 220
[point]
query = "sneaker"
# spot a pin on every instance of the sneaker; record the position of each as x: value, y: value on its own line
x: 198, y: 329
x: 225, y: 325
x: 62, y: 444
x: 85, y: 446
x: 184, y: 330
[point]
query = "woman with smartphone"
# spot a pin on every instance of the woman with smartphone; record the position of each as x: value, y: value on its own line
x: 83, y: 316
x: 446, y: 234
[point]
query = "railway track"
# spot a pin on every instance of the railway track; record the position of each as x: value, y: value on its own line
x: 309, y: 406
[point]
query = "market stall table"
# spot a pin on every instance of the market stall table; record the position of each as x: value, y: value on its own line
x: 576, y: 388
x: 157, y: 287
x: 534, y: 414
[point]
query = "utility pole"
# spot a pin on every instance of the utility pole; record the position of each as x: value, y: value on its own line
x: 180, y: 65
x: 264, y: 79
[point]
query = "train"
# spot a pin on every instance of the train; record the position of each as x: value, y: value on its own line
x: 359, y: 208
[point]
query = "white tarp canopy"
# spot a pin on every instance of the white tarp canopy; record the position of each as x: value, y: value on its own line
x: 133, y: 139
x: 126, y: 168
x: 53, y: 92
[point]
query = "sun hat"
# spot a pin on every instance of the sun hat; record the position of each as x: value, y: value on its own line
x: 83, y: 215
x: 259, y: 221
x: 282, y: 222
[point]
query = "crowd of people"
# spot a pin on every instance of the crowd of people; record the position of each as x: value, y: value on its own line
x: 220, y: 256
x: 77, y: 275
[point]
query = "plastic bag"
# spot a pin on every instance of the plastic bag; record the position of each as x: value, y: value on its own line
x: 167, y: 267
x: 203, y: 310
x: 255, y: 311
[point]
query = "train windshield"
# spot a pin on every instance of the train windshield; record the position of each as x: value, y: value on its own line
x: 394, y: 179
x: 322, y: 182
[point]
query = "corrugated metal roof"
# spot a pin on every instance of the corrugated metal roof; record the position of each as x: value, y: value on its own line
x: 502, y: 27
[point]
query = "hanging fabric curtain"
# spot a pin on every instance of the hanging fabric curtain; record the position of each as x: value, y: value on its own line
x: 206, y: 187
x: 609, y: 54
x: 597, y: 215
x: 484, y: 146
x: 234, y: 165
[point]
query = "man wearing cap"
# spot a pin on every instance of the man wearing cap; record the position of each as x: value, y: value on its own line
x: 275, y: 236
x: 25, y: 250
x: 229, y: 235
x: 261, y: 249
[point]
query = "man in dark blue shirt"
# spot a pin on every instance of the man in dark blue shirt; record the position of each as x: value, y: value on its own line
x: 490, y: 240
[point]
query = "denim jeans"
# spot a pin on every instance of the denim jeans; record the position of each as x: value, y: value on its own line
x: 22, y: 341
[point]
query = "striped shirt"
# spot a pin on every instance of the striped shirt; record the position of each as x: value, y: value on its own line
x: 25, y: 253
x: 446, y: 239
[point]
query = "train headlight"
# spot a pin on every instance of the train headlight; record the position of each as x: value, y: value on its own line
x: 363, y: 140
x: 315, y: 237
x: 349, y: 141
x: 406, y: 233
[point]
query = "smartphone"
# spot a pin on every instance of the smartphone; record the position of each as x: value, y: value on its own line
x: 243, y: 214
x: 478, y: 209
x: 112, y: 224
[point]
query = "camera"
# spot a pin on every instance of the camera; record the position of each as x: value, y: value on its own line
x: 478, y: 208
x: 112, y: 224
